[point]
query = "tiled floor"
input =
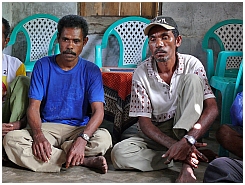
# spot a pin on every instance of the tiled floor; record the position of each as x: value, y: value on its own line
x: 14, y: 174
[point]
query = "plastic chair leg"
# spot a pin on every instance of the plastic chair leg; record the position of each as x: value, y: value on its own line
x: 225, y: 117
x: 225, y: 108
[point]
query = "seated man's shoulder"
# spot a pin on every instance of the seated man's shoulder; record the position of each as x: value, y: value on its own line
x: 187, y: 56
x: 11, y: 58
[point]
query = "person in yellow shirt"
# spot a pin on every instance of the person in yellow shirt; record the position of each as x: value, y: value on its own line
x: 15, y: 86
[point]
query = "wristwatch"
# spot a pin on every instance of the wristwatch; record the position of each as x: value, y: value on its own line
x: 190, y: 139
x: 84, y: 136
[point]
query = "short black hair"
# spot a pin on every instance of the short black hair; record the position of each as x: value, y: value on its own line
x: 73, y: 21
x: 7, y: 27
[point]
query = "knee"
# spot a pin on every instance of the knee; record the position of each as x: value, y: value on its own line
x: 119, y: 156
x: 116, y: 153
x: 217, y: 161
x: 8, y: 137
x: 106, y: 142
x: 193, y: 78
x: 107, y: 137
x: 223, y: 133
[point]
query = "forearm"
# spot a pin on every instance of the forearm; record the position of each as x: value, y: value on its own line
x: 20, y: 123
x: 154, y: 133
x: 34, y: 121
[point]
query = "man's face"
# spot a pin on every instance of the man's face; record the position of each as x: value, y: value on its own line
x: 162, y: 43
x: 4, y: 40
x: 71, y: 43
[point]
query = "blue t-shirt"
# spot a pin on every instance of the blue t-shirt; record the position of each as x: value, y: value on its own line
x: 66, y: 95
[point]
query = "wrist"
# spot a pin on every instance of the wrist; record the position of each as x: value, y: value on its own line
x: 190, y: 139
x: 84, y: 136
x: 23, y: 122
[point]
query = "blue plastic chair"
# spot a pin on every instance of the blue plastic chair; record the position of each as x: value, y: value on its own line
x: 133, y: 43
x: 228, y: 35
x: 40, y: 31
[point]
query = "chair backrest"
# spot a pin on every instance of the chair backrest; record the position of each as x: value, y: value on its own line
x: 229, y: 36
x: 129, y: 32
x: 40, y: 31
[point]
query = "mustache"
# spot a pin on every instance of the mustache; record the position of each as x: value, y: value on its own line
x: 160, y: 50
x: 69, y: 52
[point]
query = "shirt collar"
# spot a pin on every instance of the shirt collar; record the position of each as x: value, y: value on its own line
x: 152, y: 67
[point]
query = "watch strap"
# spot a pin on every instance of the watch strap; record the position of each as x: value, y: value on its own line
x: 84, y: 136
x: 190, y: 139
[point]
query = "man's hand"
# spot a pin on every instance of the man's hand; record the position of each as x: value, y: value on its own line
x: 76, y: 154
x: 183, y: 151
x: 6, y: 127
x: 41, y: 148
x: 178, y: 151
x: 199, y: 155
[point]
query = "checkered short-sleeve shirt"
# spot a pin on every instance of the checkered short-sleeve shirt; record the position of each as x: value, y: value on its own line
x: 152, y: 97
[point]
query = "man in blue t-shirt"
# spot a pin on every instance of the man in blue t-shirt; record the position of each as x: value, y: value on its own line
x: 63, y: 87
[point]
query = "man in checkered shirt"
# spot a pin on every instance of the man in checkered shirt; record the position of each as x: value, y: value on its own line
x: 174, y: 103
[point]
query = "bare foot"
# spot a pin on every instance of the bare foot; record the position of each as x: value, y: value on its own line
x: 96, y: 162
x: 186, y: 174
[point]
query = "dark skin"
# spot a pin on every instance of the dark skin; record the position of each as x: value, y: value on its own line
x: 162, y: 44
x: 71, y: 42
x: 19, y: 124
x: 230, y: 140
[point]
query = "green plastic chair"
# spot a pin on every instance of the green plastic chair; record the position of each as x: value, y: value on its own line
x: 229, y: 87
x: 228, y: 35
x: 40, y: 31
x: 133, y: 43
x: 224, y: 74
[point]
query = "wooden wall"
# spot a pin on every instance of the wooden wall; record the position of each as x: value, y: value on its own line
x: 119, y: 9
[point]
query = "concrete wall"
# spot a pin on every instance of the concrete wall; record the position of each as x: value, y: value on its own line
x: 16, y: 11
x: 193, y: 19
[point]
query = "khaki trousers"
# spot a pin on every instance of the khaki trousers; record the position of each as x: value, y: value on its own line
x: 18, y: 145
x: 140, y: 152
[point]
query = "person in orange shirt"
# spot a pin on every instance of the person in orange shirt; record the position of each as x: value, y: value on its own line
x: 15, y: 85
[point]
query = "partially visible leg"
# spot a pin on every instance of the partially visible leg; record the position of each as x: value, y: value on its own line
x: 224, y: 169
x: 99, y: 143
x: 189, y: 105
x: 18, y: 146
x: 189, y: 109
x: 138, y: 153
x: 17, y: 101
x: 231, y: 139
x: 98, y: 162
x: 186, y: 174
